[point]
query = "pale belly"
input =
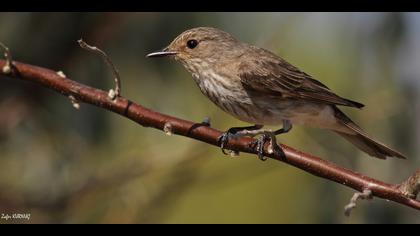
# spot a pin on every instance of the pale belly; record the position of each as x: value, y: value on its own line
x: 266, y: 111
x: 304, y: 114
x: 317, y: 116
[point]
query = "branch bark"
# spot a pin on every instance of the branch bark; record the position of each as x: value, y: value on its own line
x: 199, y: 131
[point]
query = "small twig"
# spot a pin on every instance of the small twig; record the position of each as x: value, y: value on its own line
x: 113, y: 93
x: 61, y: 74
x: 234, y: 153
x: 206, y: 121
x: 7, y: 68
x: 367, y: 194
x: 167, y: 128
x: 411, y: 187
x: 74, y: 102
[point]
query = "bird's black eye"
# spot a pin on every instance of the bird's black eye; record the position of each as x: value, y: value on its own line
x: 192, y: 43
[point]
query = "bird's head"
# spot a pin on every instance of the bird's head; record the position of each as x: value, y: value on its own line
x: 198, y: 47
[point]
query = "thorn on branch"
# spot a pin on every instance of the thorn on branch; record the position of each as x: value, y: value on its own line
x: 113, y: 93
x: 206, y: 121
x: 167, y: 128
x: 270, y: 148
x: 233, y: 153
x: 74, y: 102
x: 7, y: 68
x: 367, y: 194
x: 61, y: 74
x: 411, y: 187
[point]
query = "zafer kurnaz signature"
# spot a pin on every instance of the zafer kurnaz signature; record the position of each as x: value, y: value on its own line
x: 5, y: 216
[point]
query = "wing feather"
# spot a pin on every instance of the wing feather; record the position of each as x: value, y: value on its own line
x: 274, y: 76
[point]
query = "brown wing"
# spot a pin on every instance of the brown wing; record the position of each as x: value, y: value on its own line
x: 273, y: 75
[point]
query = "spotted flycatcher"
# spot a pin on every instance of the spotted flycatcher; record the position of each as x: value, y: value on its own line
x: 256, y: 86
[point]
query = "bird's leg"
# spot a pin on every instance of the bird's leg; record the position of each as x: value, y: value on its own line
x: 268, y: 135
x: 273, y: 147
x: 287, y: 126
x: 235, y: 133
x: 252, y: 131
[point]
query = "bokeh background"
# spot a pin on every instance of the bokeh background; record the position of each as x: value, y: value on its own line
x: 63, y: 165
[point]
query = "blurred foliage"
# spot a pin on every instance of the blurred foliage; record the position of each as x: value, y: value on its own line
x: 92, y: 166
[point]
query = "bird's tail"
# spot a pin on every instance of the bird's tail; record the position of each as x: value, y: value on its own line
x: 357, y: 137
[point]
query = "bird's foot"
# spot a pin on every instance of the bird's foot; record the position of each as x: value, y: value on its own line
x: 236, y: 133
x: 273, y: 147
x: 224, y: 138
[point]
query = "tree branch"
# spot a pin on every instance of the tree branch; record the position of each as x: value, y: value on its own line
x: 405, y: 195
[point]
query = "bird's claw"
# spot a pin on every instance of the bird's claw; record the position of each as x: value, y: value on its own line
x: 278, y: 150
x: 223, y: 139
x: 272, y: 148
x: 259, y: 145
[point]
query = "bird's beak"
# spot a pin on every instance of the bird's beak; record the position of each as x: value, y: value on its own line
x: 163, y: 53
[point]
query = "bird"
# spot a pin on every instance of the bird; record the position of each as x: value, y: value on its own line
x: 256, y: 86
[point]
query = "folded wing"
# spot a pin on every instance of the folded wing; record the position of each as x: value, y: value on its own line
x: 273, y: 75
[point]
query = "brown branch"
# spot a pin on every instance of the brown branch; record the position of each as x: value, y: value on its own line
x: 202, y: 132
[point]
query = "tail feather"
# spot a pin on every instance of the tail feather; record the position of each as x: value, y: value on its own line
x: 370, y: 146
x: 357, y: 137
